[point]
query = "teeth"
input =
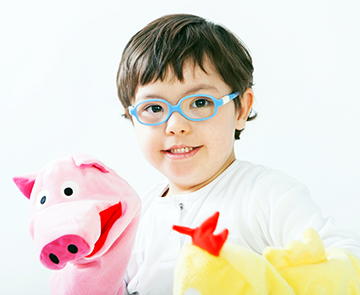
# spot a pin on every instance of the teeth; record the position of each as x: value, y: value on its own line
x: 181, y: 151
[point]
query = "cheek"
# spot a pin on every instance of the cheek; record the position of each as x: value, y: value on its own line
x: 223, y: 128
x: 147, y: 140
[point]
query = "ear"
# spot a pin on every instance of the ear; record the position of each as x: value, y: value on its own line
x: 25, y: 184
x: 246, y: 102
x: 84, y: 160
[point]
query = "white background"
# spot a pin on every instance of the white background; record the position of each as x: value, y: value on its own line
x: 58, y: 96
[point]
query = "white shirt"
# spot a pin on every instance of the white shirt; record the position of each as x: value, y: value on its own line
x: 260, y: 207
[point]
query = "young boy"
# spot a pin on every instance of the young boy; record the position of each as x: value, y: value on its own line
x: 206, y: 72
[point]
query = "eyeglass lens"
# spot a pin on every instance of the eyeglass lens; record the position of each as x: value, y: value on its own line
x: 152, y: 112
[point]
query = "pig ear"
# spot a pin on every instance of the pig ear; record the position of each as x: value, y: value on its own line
x: 25, y: 184
x: 83, y: 161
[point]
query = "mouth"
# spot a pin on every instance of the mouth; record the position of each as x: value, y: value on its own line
x: 181, y: 152
x: 107, y: 217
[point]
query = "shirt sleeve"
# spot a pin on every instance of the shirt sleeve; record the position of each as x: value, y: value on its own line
x: 282, y: 208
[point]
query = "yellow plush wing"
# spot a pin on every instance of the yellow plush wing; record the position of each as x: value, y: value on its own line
x: 310, y: 270
x: 236, y: 270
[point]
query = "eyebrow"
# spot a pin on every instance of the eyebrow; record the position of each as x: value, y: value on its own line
x: 200, y: 87
x: 188, y: 92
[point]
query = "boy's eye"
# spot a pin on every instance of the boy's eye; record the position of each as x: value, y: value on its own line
x: 154, y: 109
x: 200, y: 103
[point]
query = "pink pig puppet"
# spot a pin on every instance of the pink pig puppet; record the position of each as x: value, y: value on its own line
x: 83, y: 220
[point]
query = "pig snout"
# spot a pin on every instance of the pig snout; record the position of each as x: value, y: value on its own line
x: 58, y: 253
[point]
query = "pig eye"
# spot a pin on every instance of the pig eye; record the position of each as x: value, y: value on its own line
x: 41, y: 198
x: 69, y: 189
x: 191, y: 291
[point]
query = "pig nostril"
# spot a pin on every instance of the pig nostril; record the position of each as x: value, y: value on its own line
x: 54, y: 258
x: 72, y: 249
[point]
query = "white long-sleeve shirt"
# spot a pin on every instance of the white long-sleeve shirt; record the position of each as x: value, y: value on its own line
x: 260, y: 207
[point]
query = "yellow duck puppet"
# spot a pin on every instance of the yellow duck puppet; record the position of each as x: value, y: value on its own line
x: 211, y: 266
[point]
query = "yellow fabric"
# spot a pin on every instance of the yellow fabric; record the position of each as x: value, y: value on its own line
x: 236, y: 271
x: 309, y: 269
x: 300, y: 268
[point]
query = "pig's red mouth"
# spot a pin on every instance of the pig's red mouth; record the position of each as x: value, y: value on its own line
x: 107, y: 218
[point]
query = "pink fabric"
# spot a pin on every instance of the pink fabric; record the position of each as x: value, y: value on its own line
x: 83, y: 160
x: 25, y: 184
x: 55, y: 255
x: 107, y: 218
x: 83, y: 220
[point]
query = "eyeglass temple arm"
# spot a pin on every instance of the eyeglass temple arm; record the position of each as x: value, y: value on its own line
x: 229, y: 97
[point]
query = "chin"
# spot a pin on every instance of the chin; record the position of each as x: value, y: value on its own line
x: 180, y: 174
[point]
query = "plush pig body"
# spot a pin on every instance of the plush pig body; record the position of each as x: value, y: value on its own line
x: 83, y: 220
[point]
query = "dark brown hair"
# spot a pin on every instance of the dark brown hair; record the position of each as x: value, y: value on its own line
x: 173, y: 40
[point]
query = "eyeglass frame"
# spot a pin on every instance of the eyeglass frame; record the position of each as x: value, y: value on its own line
x: 218, y: 102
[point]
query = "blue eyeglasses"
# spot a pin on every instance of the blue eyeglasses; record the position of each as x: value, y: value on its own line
x: 195, y: 107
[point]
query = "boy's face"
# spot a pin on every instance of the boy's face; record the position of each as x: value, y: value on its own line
x: 191, y: 154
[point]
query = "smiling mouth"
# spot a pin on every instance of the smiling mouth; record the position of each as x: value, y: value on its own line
x: 181, y: 151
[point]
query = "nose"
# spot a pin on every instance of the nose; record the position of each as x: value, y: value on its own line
x: 58, y: 253
x: 177, y: 124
